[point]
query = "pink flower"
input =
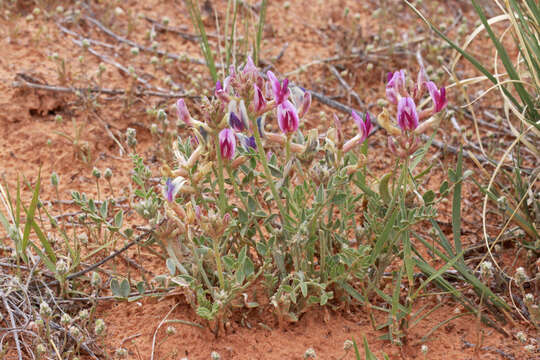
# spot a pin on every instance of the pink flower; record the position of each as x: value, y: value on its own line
x: 395, y: 86
x: 221, y: 93
x: 364, y: 126
x: 182, y: 111
x: 281, y: 91
x: 438, y: 96
x: 407, y: 116
x: 227, y: 143
x: 259, y: 102
x: 228, y: 79
x: 287, y: 117
x: 250, y: 70
x: 306, y: 103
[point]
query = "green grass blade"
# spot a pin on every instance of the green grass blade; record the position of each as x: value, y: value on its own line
x: 262, y: 16
x: 438, y: 273
x: 369, y: 354
x: 469, y: 57
x: 508, y: 65
x: 456, y: 205
x: 29, y: 219
x: 196, y: 19
x: 44, y: 242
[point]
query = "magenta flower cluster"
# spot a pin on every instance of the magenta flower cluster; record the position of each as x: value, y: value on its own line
x: 246, y: 95
x: 397, y: 92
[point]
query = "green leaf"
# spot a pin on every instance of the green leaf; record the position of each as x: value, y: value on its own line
x: 252, y: 204
x: 339, y: 198
x: 428, y: 197
x: 303, y: 288
x: 104, y: 209
x: 320, y: 194
x: 125, y: 288
x: 119, y: 219
x: 444, y: 188
x: 383, y: 188
x: 171, y: 266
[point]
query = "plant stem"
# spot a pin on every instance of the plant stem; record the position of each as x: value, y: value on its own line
x: 222, y: 203
x: 267, y: 173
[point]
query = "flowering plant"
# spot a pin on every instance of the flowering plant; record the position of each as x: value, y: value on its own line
x: 254, y: 197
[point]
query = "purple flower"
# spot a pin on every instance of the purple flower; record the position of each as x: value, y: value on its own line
x: 364, y: 126
x: 287, y: 117
x: 172, y: 187
x: 395, y: 85
x: 247, y: 141
x: 306, y: 103
x: 259, y: 102
x: 238, y: 115
x: 221, y: 94
x: 281, y: 91
x: 236, y: 123
x: 250, y: 142
x: 182, y: 112
x: 438, y: 96
x: 227, y: 143
x: 407, y: 116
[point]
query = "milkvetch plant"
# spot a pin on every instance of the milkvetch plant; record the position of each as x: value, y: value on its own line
x: 252, y: 199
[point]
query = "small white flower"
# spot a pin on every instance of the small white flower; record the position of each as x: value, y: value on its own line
x: 310, y: 354
x: 521, y: 275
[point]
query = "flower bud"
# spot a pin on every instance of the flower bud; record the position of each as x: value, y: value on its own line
x: 100, y: 327
x: 75, y: 332
x: 45, y: 310
x: 54, y: 179
x: 108, y: 174
x: 521, y: 276
x: 347, y: 345
x: 65, y: 319
x: 95, y: 280
x: 131, y: 136
x: 182, y: 112
x: 84, y: 314
x: 310, y: 354
x: 96, y: 173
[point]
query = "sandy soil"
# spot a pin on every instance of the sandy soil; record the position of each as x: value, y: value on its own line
x: 31, y: 140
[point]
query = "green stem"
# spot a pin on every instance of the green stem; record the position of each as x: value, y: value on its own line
x: 217, y: 255
x: 267, y: 172
x: 222, y: 203
x: 288, y: 148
